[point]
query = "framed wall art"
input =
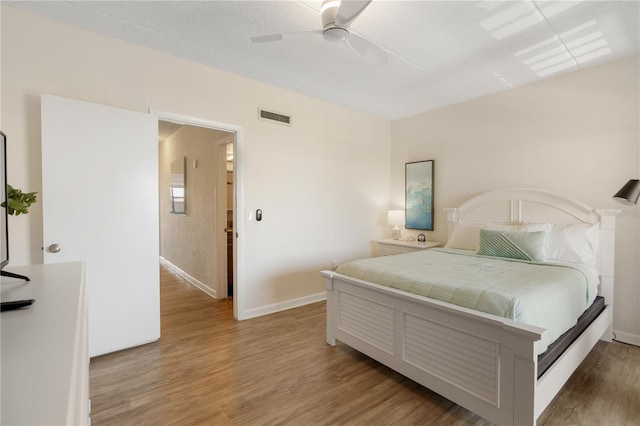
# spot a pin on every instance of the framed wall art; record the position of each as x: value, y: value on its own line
x: 419, y: 195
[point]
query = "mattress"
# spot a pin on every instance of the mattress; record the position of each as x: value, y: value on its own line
x: 547, y: 295
x: 558, y: 347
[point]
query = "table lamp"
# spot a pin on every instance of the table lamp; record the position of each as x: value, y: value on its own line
x: 395, y: 218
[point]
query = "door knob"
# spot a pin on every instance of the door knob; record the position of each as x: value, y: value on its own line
x: 55, y: 248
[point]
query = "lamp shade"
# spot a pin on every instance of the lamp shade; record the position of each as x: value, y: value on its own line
x: 629, y: 193
x: 395, y: 217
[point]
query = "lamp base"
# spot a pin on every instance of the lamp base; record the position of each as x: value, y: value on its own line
x: 396, y: 234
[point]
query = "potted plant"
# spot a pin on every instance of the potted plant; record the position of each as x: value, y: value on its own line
x: 18, y: 202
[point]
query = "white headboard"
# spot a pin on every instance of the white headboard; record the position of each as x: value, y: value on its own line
x: 526, y: 205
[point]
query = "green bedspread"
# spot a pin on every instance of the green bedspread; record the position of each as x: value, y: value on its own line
x: 551, y: 296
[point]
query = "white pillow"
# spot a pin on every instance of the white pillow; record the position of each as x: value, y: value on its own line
x: 465, y: 237
x: 574, y: 243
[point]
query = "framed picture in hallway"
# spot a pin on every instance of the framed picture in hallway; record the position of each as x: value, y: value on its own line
x: 419, y: 195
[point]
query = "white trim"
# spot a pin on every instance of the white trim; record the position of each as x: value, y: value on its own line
x: 283, y: 306
x: 624, y: 337
x: 196, y: 283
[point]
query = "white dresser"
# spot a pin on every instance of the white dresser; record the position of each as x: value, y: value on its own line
x: 389, y: 247
x: 45, y: 357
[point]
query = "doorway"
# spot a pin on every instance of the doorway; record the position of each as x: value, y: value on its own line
x: 200, y: 244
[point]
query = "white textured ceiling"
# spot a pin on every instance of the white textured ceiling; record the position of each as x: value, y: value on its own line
x: 440, y: 52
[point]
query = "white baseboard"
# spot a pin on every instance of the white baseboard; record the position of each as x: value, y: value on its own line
x: 251, y: 313
x: 624, y: 337
x: 282, y: 306
x: 199, y: 284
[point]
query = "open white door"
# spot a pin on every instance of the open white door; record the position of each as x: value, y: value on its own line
x: 100, y: 205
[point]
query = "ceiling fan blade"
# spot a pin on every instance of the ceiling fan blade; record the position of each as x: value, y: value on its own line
x: 349, y: 10
x: 369, y: 51
x: 283, y: 36
x: 266, y: 38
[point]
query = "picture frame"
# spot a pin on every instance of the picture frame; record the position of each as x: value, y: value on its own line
x: 419, y: 195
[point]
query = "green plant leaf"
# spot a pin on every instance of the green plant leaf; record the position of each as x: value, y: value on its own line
x: 18, y: 202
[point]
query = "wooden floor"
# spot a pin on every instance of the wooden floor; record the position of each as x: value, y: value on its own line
x: 208, y: 369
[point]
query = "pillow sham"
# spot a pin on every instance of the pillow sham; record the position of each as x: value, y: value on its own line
x: 574, y: 243
x: 465, y: 237
x: 513, y: 245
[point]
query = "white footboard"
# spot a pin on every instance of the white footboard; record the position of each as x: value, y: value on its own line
x: 484, y: 363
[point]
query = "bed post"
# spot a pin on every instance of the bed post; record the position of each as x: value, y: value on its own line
x: 524, y: 390
x: 607, y: 264
x: 328, y: 285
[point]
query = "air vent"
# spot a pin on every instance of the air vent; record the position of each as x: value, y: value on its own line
x: 274, y: 117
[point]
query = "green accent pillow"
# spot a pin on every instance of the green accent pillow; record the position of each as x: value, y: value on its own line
x: 513, y: 245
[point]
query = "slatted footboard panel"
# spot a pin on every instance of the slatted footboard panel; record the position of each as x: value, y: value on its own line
x: 462, y: 360
x: 371, y: 322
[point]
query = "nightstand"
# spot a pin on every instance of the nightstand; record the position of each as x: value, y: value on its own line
x: 388, y: 247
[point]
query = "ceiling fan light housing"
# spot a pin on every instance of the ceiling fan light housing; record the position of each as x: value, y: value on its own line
x: 328, y: 12
x: 335, y: 34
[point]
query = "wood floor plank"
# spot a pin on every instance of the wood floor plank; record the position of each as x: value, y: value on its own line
x: 208, y: 369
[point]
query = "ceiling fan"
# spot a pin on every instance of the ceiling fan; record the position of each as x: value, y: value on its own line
x: 336, y: 17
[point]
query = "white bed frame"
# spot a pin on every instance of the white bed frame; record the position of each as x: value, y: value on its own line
x: 482, y: 362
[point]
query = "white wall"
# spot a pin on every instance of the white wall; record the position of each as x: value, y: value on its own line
x: 323, y: 184
x: 577, y: 135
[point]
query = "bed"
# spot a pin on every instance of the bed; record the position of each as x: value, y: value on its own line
x: 489, y: 364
